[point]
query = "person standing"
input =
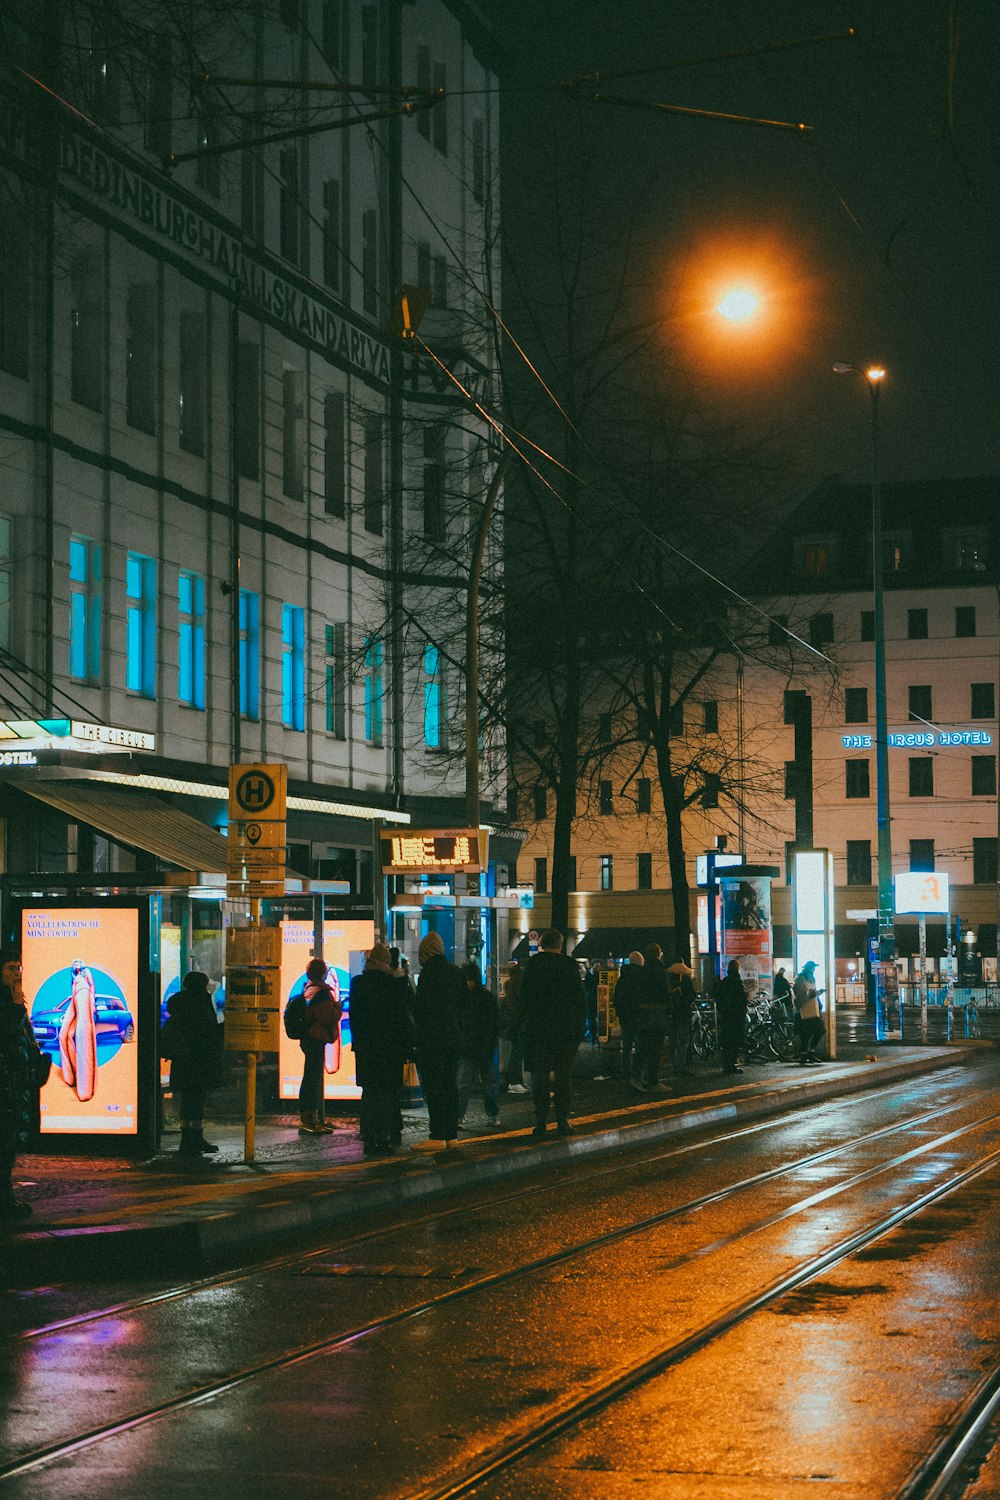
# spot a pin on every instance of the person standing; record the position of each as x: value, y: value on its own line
x: 439, y: 1001
x: 810, y: 1014
x: 554, y: 1009
x: 382, y: 1038
x: 20, y: 1062
x: 682, y: 1001
x: 731, y: 1010
x: 480, y: 1036
x: 513, y: 1029
x: 626, y: 1002
x: 195, y: 1059
x: 323, y: 1012
x: 654, y: 1018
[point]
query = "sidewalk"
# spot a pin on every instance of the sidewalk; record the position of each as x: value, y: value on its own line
x: 105, y: 1217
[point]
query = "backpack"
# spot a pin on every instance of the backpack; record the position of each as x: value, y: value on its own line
x: 296, y: 1018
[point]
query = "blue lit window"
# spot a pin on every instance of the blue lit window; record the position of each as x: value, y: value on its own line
x: 191, y: 640
x: 140, y: 649
x: 374, y: 661
x: 293, y: 667
x: 434, y: 718
x: 84, y: 609
x: 249, y: 654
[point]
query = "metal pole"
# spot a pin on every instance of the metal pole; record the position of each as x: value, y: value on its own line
x: 886, y: 935
x: 923, y: 978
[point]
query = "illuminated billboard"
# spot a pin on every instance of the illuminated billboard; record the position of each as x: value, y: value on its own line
x: 924, y: 892
x: 345, y: 946
x: 81, y: 973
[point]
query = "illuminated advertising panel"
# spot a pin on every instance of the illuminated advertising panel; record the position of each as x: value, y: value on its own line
x: 924, y: 892
x: 746, y: 915
x: 81, y: 973
x: 435, y: 851
x: 345, y: 945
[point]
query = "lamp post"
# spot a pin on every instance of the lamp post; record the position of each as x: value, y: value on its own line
x: 873, y: 377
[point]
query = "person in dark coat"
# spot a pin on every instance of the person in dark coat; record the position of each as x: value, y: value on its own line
x: 554, y: 1011
x: 682, y: 1000
x: 480, y: 1036
x: 20, y: 1059
x: 512, y: 1029
x: 731, y: 1010
x: 626, y: 1002
x: 653, y: 1020
x: 437, y: 1008
x: 196, y: 1060
x: 382, y: 1038
x: 323, y: 1011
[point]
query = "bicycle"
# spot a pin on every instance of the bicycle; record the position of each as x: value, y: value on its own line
x: 704, y: 1040
x: 768, y: 1036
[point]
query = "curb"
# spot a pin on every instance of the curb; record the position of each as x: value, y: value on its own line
x: 169, y: 1242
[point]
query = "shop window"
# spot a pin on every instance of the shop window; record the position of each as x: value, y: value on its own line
x: 919, y: 701
x: 983, y: 701
x: 857, y: 782
x: 293, y: 667
x: 921, y: 776
x: 965, y: 620
x: 249, y: 654
x: 140, y: 625
x: 336, y: 681
x: 859, y: 862
x: 644, y: 872
x: 984, y: 776
x: 856, y: 705
x: 84, y: 609
x: 922, y: 856
x: 374, y: 665
x: 191, y: 639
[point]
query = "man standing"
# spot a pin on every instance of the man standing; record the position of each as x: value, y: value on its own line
x: 654, y: 1018
x: 554, y: 1011
x: 682, y: 1002
x: 438, y: 1007
x: 626, y: 1002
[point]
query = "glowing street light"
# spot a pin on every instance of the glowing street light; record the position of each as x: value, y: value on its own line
x: 738, y: 305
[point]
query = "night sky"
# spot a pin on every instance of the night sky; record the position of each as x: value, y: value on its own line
x: 873, y: 240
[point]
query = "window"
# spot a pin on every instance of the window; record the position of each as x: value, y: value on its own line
x: 369, y: 46
x: 369, y: 261
x: 856, y: 778
x: 433, y: 483
x: 289, y: 208
x: 206, y: 173
x: 330, y: 43
x: 607, y: 872
x: 540, y: 794
x: 859, y: 862
x: 867, y: 624
x: 15, y: 304
x: 105, y: 77
x: 373, y: 684
x: 331, y: 233
x: 251, y: 197
x: 541, y: 875
x: 479, y: 159
x: 249, y: 654
x: 895, y: 552
x: 855, y: 705
x: 293, y: 451
x: 247, y: 414
x: 821, y: 630
x: 796, y: 702
x: 644, y: 872
x: 293, y: 667
x: 711, y: 789
x: 916, y: 624
x: 970, y: 550
x: 711, y: 721
x: 84, y: 609
x: 86, y: 357
x: 815, y: 559
x: 191, y: 639
x: 965, y: 620
x: 984, y: 861
x: 6, y: 585
x: 434, y: 705
x: 919, y: 704
x: 605, y: 799
x: 777, y: 630
x: 921, y: 776
x: 604, y: 729
x: 140, y: 625
x: 336, y: 681
x: 675, y: 721
x: 984, y: 776
x: 193, y: 382
x: 983, y: 702
x: 159, y: 95
x: 373, y: 475
x: 643, y: 788
x: 791, y: 780
x: 140, y: 358
x: 439, y: 114
x: 922, y: 856
x: 335, y: 455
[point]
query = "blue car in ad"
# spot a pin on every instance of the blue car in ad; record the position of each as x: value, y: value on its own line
x: 114, y: 1024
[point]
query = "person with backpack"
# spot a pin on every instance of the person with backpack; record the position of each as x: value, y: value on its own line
x: 195, y: 1049
x: 313, y: 1019
x: 480, y: 1036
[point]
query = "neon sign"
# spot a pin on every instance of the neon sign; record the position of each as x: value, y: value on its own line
x: 920, y: 739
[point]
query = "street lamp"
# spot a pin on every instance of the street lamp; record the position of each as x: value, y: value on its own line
x: 873, y: 376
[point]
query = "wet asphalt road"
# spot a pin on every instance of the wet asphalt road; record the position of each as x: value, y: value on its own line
x: 407, y: 1360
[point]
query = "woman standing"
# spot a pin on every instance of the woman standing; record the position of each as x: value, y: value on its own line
x: 323, y: 1011
x: 196, y: 1058
x: 731, y: 1008
x: 20, y: 1061
x: 78, y: 1034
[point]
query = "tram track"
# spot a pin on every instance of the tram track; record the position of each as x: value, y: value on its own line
x: 559, y: 1420
x: 286, y: 1261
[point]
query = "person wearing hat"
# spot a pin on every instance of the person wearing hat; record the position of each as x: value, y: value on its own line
x: 626, y: 1002
x: 682, y: 1001
x: 195, y: 1059
x: 382, y: 1039
x: 810, y: 1013
x: 438, y: 1006
x: 20, y: 1063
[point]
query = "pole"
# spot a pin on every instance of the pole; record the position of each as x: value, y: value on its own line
x: 472, y: 794
x: 886, y: 935
x: 923, y: 978
x: 996, y: 586
x: 250, y: 1099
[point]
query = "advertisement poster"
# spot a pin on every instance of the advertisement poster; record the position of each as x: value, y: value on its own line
x: 345, y: 945
x: 746, y: 919
x: 81, y: 971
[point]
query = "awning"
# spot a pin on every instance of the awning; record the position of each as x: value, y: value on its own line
x: 136, y: 819
x: 619, y: 942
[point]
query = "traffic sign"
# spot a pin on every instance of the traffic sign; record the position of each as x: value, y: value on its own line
x: 258, y: 792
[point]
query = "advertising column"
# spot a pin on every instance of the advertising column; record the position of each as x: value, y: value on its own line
x: 746, y: 924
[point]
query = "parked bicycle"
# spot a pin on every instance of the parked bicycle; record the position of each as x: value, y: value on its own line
x: 769, y: 1036
x: 704, y: 1037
